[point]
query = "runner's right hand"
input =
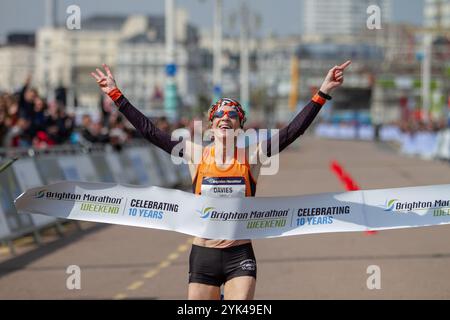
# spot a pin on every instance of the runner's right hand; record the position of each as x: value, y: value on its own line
x: 105, y: 82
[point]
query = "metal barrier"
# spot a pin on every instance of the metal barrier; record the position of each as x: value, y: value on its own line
x: 136, y: 163
x: 423, y: 144
x: 361, y: 132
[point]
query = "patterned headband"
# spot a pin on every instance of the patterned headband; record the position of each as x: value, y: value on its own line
x: 230, y: 103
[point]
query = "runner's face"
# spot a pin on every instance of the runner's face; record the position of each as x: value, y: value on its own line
x: 226, y: 125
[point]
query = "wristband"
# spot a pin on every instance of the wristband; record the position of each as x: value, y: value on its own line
x: 115, y: 94
x: 324, y: 95
x: 318, y: 99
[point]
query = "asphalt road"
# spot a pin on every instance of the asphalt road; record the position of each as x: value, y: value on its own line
x: 118, y: 262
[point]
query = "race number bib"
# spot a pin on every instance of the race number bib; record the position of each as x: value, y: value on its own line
x: 223, y: 186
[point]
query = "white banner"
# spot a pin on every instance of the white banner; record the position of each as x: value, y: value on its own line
x: 240, y: 218
x: 27, y: 176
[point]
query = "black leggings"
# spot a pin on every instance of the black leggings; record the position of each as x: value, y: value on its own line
x: 215, y: 266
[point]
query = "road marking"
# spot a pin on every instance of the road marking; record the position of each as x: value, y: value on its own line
x: 120, y: 296
x: 153, y: 272
x: 135, y: 285
x: 164, y: 264
x: 173, y: 256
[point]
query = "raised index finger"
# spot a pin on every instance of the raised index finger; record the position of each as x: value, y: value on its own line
x: 345, y: 65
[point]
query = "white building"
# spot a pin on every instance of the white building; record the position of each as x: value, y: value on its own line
x: 269, y: 60
x: 141, y: 61
x: 16, y: 61
x: 66, y: 57
x: 344, y: 17
x: 437, y: 13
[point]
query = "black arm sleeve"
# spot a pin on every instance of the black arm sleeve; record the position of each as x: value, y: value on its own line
x: 295, y: 128
x: 145, y: 126
x: 24, y: 110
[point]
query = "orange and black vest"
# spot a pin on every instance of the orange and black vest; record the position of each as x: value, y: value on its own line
x: 236, y: 180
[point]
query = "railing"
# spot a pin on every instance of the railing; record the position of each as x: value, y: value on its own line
x: 424, y: 144
x: 136, y: 163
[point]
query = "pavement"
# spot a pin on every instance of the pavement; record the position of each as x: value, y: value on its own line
x: 118, y: 262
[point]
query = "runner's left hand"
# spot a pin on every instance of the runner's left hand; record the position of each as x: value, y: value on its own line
x: 334, y: 78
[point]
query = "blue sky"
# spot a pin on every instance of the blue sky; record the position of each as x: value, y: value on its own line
x: 285, y: 18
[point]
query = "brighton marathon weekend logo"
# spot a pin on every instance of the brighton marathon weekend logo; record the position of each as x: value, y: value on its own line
x: 88, y: 202
x: 255, y: 219
x: 205, y: 212
x: 440, y: 207
x: 40, y: 194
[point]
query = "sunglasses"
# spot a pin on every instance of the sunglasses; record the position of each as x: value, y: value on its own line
x: 231, y: 114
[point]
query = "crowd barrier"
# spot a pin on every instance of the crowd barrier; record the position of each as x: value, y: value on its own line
x: 424, y: 144
x: 137, y: 163
x: 362, y: 132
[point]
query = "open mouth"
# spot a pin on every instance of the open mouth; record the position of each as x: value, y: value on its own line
x: 225, y: 126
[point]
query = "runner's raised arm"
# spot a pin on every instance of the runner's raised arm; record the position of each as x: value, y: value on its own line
x: 143, y: 124
x: 301, y: 122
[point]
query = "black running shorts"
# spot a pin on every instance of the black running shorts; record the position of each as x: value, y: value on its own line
x: 215, y: 266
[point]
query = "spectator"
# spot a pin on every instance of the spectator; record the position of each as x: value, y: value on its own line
x: 93, y: 132
x: 39, y: 118
x: 27, y: 98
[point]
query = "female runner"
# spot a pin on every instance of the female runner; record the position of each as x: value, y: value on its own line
x: 221, y: 172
